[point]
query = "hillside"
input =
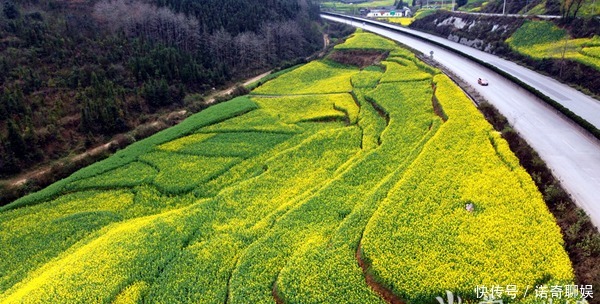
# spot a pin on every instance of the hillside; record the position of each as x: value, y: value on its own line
x: 75, y: 73
x: 585, y: 9
x: 280, y: 195
x: 564, y: 51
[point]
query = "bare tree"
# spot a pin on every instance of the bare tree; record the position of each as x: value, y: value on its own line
x: 570, y: 8
x: 138, y: 19
x: 221, y: 44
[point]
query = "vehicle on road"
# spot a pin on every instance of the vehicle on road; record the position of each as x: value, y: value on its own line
x: 482, y: 81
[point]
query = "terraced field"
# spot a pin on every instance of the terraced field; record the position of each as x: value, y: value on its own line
x: 350, y: 7
x: 543, y: 39
x: 283, y: 195
x: 404, y: 21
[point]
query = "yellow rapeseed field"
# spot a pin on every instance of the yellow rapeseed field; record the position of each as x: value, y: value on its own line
x: 272, y: 195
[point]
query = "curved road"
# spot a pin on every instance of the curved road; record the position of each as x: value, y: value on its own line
x: 570, y: 152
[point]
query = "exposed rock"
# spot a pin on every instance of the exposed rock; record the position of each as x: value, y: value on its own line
x: 485, y: 33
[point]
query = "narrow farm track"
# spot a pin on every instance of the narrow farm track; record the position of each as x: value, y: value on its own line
x: 269, y: 199
x: 210, y: 99
x: 42, y: 172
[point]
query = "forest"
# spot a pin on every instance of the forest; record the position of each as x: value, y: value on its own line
x: 75, y: 73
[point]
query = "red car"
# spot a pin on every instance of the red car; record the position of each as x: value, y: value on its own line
x: 482, y: 81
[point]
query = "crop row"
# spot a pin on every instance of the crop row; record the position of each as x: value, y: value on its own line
x: 294, y: 109
x: 130, y: 252
x: 180, y: 173
x: 130, y: 175
x: 399, y: 72
x: 368, y: 78
x: 229, y: 144
x: 363, y: 40
x: 212, y: 115
x: 323, y: 268
x: 543, y: 39
x: 127, y: 255
x: 401, y: 53
x: 422, y: 240
x: 404, y: 21
x: 298, y: 248
x: 537, y: 32
x: 34, y: 236
x: 244, y: 213
x: 256, y: 121
x: 277, y: 192
x: 592, y: 51
x: 316, y: 77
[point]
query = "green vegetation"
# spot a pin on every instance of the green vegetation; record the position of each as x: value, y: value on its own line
x: 537, y: 32
x: 537, y: 44
x: 422, y: 13
x: 362, y: 40
x: 310, y: 107
x: 74, y: 74
x: 367, y: 78
x: 316, y: 77
x: 261, y: 81
x: 404, y: 71
x: 172, y: 167
x: 272, y: 194
x: 592, y: 51
x: 589, y: 9
x: 423, y: 231
x: 404, y: 21
x: 132, y: 174
x: 231, y: 144
x: 353, y: 8
x: 543, y: 39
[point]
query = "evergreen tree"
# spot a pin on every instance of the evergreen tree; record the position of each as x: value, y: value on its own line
x: 100, y: 108
x: 8, y: 162
x: 10, y: 10
x: 110, y: 65
x: 15, y: 139
x: 31, y: 141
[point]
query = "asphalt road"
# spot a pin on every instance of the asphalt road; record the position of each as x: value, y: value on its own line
x: 569, y: 151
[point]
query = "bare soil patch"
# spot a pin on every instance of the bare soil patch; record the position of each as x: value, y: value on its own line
x: 276, y: 296
x: 359, y: 58
x: 381, y: 290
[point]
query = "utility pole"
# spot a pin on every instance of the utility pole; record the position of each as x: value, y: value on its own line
x: 452, y: 5
x: 504, y: 8
x: 562, y: 60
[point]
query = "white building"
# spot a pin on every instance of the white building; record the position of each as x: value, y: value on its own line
x: 405, y: 12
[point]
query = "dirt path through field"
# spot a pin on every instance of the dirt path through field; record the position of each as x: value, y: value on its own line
x: 43, y: 172
x: 212, y: 97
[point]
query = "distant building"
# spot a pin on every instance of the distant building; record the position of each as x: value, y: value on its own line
x: 390, y: 12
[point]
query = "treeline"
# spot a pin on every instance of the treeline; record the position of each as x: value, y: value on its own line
x: 217, y: 50
x: 72, y: 74
x: 235, y: 16
x: 569, y: 10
